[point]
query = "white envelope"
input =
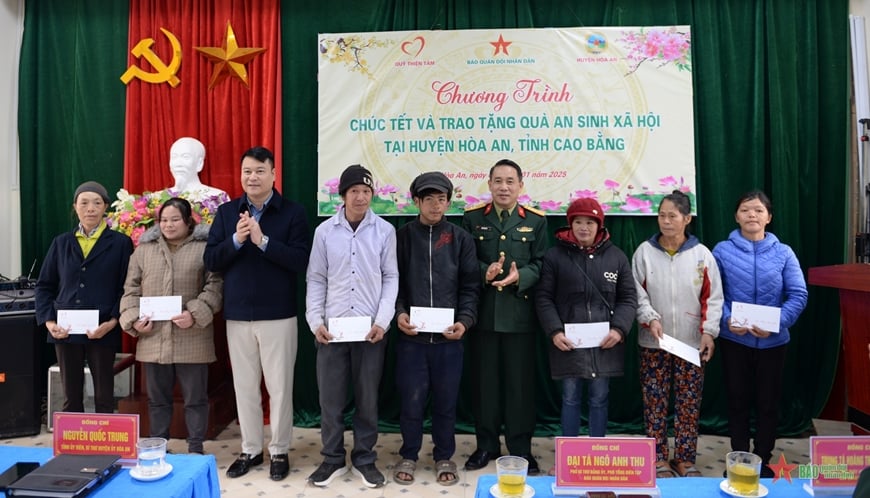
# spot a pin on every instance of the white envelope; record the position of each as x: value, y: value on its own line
x: 158, y: 308
x: 587, y: 335
x: 78, y: 321
x: 763, y: 317
x: 350, y: 328
x: 681, y: 349
x: 431, y: 319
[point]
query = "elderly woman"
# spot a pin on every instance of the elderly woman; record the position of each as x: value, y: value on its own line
x: 84, y: 270
x: 168, y: 262
x: 679, y: 295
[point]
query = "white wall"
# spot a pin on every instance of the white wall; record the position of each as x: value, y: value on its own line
x: 12, y: 25
x: 860, y: 8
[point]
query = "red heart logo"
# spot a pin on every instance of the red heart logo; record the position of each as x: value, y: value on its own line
x: 408, y: 46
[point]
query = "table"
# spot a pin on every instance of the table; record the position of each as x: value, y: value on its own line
x: 689, y: 487
x: 193, y: 476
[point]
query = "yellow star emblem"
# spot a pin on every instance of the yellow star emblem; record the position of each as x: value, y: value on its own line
x: 229, y: 59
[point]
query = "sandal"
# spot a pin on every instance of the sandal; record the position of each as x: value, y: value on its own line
x: 689, y: 471
x: 663, y: 471
x: 445, y: 473
x: 403, y: 472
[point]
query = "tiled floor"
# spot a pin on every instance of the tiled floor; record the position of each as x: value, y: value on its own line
x: 305, y: 456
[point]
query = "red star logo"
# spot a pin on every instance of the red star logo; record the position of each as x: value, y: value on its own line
x: 500, y: 45
x: 782, y: 469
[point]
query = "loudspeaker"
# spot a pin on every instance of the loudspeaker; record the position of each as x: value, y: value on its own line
x: 20, y: 365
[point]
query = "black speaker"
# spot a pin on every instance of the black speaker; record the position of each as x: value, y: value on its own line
x: 20, y: 371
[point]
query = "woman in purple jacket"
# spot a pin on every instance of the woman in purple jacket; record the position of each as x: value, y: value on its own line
x: 756, y: 268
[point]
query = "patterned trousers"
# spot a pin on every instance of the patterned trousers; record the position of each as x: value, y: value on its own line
x: 659, y: 372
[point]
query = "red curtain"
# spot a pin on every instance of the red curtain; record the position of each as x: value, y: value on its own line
x: 229, y: 118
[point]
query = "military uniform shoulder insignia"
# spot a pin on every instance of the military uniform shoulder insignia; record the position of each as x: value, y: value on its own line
x: 535, y: 210
x: 475, y: 207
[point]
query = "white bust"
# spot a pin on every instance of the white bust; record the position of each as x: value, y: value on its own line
x: 186, y: 159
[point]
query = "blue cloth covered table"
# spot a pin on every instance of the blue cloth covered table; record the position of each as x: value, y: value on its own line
x: 193, y: 476
x: 688, y: 487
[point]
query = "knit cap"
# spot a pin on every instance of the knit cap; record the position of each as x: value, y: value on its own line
x: 355, y: 175
x: 586, y: 207
x: 92, y: 187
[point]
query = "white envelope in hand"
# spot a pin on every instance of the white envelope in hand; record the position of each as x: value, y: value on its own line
x: 431, y: 319
x: 587, y: 335
x: 158, y: 308
x: 350, y: 328
x: 748, y: 315
x: 681, y: 349
x: 78, y: 321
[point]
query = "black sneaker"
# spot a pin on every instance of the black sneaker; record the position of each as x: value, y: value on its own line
x: 370, y: 475
x: 326, y: 473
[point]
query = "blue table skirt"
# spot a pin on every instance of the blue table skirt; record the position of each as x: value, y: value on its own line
x: 689, y: 487
x: 193, y: 476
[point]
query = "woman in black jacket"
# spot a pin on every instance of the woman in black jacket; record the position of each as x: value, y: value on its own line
x: 585, y: 279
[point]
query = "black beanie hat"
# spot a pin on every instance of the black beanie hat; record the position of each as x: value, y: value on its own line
x: 92, y: 187
x: 354, y: 175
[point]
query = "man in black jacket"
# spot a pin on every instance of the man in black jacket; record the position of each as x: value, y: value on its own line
x: 259, y: 241
x: 439, y: 279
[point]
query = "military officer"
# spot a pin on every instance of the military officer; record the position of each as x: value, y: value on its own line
x: 511, y: 241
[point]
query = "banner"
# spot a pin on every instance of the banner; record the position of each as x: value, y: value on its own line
x: 586, y: 112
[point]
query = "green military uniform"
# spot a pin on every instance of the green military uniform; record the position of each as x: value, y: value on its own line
x: 502, y: 344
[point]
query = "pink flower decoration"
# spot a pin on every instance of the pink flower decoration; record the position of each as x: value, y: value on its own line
x: 673, y: 48
x: 669, y: 46
x: 524, y: 199
x: 386, y: 190
x: 611, y: 184
x: 136, y: 233
x: 587, y: 194
x: 550, y: 206
x: 331, y: 186
x: 634, y: 204
x: 668, y: 181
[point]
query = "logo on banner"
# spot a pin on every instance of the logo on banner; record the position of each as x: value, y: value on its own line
x: 414, y: 47
x: 500, y: 45
x: 596, y: 43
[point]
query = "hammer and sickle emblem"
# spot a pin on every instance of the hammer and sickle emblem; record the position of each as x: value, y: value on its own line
x: 164, y: 72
